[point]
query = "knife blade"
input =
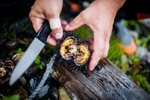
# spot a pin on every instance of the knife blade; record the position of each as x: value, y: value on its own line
x: 31, y: 53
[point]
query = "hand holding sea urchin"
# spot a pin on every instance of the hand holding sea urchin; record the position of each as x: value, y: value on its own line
x: 73, y: 49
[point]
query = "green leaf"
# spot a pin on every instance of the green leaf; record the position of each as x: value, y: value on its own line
x: 37, y: 60
x: 19, y: 50
x: 40, y: 66
x: 14, y: 97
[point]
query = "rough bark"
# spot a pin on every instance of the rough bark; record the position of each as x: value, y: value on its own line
x: 105, y: 82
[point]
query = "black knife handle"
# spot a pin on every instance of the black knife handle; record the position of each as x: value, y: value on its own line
x: 44, y: 31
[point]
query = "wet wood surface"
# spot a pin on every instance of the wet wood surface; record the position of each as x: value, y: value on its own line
x: 105, y: 82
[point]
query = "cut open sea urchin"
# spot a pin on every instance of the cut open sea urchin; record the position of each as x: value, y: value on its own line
x: 73, y: 49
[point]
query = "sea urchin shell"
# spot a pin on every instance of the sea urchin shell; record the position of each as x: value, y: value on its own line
x: 6, y: 68
x: 70, y: 49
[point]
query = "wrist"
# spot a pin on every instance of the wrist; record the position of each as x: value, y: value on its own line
x: 117, y: 4
x: 112, y: 4
x: 110, y: 7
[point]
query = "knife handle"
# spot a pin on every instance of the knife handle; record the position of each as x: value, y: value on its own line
x: 43, y: 32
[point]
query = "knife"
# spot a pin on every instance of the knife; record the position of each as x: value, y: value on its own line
x: 31, y: 53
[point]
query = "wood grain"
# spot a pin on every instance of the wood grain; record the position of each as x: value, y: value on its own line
x: 105, y: 82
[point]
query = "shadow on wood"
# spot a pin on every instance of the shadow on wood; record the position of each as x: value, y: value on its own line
x: 105, y: 82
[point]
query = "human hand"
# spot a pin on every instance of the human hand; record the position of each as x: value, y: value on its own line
x: 50, y: 10
x: 99, y: 16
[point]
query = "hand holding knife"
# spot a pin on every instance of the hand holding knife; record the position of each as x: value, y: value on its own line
x: 32, y: 52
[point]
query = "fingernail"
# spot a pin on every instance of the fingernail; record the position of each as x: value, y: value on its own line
x: 64, y: 22
x: 58, y: 35
x: 67, y: 28
x: 91, y: 68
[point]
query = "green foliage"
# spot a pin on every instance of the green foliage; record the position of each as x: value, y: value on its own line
x: 142, y: 81
x: 14, y: 97
x: 131, y: 24
x: 7, y: 32
x: 115, y: 51
x: 143, y: 41
x: 37, y: 61
x: 19, y: 50
x: 23, y: 42
x: 124, y: 65
x: 84, y: 32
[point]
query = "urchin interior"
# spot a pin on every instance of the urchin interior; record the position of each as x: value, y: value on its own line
x: 70, y: 49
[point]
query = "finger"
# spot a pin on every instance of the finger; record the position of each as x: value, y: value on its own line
x: 91, y: 41
x: 107, y: 44
x: 37, y: 21
x: 75, y: 23
x: 106, y: 49
x: 51, y: 40
x: 94, y: 60
x: 98, y: 50
x: 55, y: 25
x: 64, y: 22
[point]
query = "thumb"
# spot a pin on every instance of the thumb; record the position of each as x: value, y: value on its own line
x: 74, y: 24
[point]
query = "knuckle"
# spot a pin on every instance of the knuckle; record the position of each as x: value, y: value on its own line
x: 30, y: 14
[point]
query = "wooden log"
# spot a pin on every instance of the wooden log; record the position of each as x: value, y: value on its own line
x: 105, y: 82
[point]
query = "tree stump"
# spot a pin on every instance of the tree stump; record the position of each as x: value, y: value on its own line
x: 105, y: 82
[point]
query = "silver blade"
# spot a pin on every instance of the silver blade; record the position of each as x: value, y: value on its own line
x: 31, y: 53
